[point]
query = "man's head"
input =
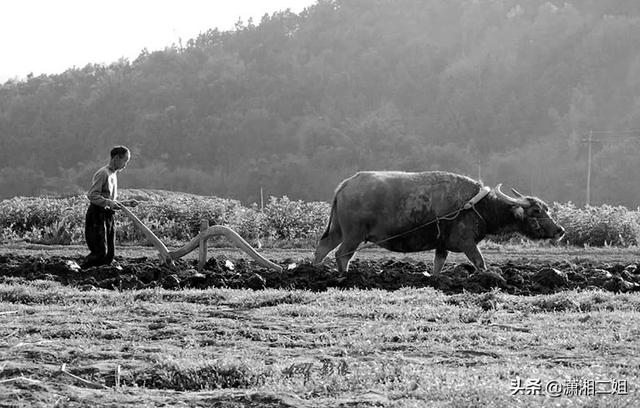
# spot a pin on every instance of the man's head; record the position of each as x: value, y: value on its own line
x: 120, y: 156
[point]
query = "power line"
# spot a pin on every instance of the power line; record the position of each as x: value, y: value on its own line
x: 610, y: 140
x: 635, y: 132
x: 615, y: 131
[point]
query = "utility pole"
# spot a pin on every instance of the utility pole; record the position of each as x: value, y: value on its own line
x: 590, y: 141
x: 588, y: 201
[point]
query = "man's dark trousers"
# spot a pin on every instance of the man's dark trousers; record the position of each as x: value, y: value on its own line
x: 99, y: 232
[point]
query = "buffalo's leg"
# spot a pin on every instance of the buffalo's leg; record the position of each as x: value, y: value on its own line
x: 345, y: 253
x: 327, y: 243
x: 473, y: 253
x: 438, y: 262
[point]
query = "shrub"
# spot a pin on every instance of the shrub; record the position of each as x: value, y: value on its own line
x: 288, y: 220
x: 597, y: 225
x: 175, y: 218
x: 250, y: 222
x: 43, y: 219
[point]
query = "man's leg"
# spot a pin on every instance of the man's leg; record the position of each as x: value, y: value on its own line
x: 95, y: 235
x: 110, y: 237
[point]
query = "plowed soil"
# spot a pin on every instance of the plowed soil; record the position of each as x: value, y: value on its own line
x: 523, y: 276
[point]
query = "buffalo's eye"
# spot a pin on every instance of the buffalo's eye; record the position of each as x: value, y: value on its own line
x: 535, y: 212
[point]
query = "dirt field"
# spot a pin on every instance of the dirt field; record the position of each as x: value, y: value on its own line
x: 536, y: 272
x: 238, y: 335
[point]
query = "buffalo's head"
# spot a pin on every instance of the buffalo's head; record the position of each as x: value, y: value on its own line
x: 532, y: 215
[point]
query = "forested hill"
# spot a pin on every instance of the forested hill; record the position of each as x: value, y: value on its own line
x: 508, y: 89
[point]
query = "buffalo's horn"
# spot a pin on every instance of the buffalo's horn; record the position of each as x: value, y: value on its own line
x: 517, y: 193
x: 517, y: 201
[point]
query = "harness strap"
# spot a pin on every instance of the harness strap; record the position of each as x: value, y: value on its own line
x: 479, y: 215
x: 476, y: 198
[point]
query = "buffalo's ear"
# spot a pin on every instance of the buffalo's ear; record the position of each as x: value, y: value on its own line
x: 518, y: 212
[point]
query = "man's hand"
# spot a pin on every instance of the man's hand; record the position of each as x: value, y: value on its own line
x: 114, y: 205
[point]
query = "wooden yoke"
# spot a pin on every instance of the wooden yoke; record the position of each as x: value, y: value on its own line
x: 167, y: 257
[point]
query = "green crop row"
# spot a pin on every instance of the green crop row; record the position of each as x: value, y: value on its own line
x: 603, y: 225
x: 175, y: 218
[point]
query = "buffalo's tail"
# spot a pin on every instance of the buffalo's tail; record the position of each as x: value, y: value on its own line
x: 332, y: 226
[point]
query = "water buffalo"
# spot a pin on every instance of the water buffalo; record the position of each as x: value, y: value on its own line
x: 397, y: 210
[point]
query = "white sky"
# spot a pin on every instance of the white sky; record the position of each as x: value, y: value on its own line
x: 50, y: 36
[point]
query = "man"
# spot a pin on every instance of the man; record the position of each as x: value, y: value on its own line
x: 99, y: 226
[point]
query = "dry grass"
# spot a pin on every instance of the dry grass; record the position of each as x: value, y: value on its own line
x: 276, y: 348
x: 279, y: 348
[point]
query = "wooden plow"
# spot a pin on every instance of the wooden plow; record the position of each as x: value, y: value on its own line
x: 200, y: 241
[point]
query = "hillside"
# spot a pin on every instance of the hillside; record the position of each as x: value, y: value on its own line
x: 506, y: 90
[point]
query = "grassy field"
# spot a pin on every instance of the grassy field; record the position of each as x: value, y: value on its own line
x: 60, y: 346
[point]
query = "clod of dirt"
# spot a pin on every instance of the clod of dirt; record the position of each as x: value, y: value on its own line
x: 256, y: 282
x: 198, y: 280
x: 72, y: 266
x: 632, y: 269
x: 308, y: 276
x: 489, y: 278
x: 55, y: 266
x: 171, y: 282
x: 98, y: 272
x: 597, y: 276
x: 577, y: 277
x: 617, y: 284
x: 513, y: 277
x: 442, y: 282
x: 186, y: 274
x: 629, y: 277
x: 192, y: 278
x: 214, y: 265
x: 551, y: 278
x: 146, y: 275
x: 462, y: 271
x: 128, y: 282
